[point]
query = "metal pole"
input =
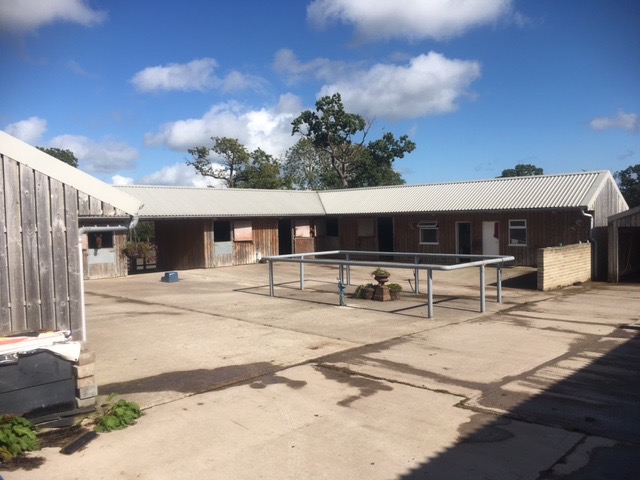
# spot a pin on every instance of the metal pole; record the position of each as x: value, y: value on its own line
x: 430, y: 293
x: 302, y: 274
x: 341, y: 273
x: 271, y: 289
x: 416, y: 275
x: 482, y: 299
x: 499, y: 282
x: 348, y: 270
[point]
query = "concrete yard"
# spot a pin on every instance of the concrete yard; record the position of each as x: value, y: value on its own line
x: 239, y: 385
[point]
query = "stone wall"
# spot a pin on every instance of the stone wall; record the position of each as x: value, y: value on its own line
x: 563, y: 266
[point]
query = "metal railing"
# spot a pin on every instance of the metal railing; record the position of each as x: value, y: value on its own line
x: 345, y: 261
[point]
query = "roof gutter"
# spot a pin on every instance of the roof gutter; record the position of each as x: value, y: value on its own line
x: 81, y: 231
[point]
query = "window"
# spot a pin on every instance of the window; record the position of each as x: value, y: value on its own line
x: 222, y: 231
x: 332, y: 227
x: 242, y: 231
x: 100, y: 240
x: 365, y: 227
x: 518, y: 233
x: 428, y: 233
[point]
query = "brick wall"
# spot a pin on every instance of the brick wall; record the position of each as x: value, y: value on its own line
x: 563, y: 266
x: 84, y: 371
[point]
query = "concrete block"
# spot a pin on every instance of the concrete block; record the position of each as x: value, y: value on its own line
x: 86, y: 392
x: 83, y: 371
x: 85, y: 382
x: 86, y: 402
x: 86, y: 358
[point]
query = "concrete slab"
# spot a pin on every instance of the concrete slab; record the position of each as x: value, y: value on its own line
x: 243, y: 385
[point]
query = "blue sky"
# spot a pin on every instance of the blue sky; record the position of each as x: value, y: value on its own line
x: 479, y: 86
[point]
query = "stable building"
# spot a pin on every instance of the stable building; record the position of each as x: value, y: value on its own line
x: 205, y: 227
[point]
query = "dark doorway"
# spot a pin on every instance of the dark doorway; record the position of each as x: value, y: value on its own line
x: 463, y: 239
x: 385, y: 235
x: 285, y: 240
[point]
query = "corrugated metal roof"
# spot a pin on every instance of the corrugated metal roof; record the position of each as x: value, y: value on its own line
x: 223, y: 202
x: 574, y: 190
x: 52, y: 167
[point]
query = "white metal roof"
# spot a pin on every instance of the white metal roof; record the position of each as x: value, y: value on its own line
x: 574, y: 190
x: 223, y: 202
x: 52, y: 167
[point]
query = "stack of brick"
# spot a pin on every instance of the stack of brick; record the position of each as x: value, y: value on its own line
x: 563, y: 266
x: 84, y: 370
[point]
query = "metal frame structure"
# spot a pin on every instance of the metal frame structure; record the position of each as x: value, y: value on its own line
x: 480, y: 261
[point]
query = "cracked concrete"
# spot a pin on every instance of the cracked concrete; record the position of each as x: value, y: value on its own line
x: 236, y: 384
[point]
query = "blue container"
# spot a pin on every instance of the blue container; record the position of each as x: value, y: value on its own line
x: 170, y: 277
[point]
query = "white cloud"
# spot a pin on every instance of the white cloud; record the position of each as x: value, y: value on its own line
x: 179, y: 174
x: 286, y: 63
x: 196, y: 75
x: 429, y: 85
x: 29, y: 131
x: 120, y: 180
x: 268, y: 128
x: 411, y: 19
x: 29, y: 15
x: 628, y: 122
x: 107, y: 156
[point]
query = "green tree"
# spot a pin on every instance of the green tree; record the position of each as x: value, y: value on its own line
x: 65, y: 156
x: 629, y: 183
x: 307, y: 168
x: 262, y: 171
x: 337, y: 133
x: 233, y: 158
x: 375, y: 165
x: 340, y: 136
x: 522, y: 170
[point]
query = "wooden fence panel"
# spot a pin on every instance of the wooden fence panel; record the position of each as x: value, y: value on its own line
x: 14, y: 247
x: 5, y: 299
x: 74, y: 268
x: 59, y: 254
x: 45, y: 252
x: 30, y: 247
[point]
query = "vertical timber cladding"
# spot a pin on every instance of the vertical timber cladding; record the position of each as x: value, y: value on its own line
x: 181, y: 243
x: 38, y: 251
x: 263, y: 243
x: 544, y: 229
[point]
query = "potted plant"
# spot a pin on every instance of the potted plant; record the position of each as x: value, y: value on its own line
x: 136, y: 249
x: 365, y: 291
x: 381, y: 275
x: 394, y: 290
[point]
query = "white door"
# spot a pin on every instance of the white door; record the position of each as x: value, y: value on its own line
x: 491, y: 238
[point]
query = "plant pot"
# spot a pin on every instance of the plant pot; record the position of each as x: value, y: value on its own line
x: 381, y: 279
x: 395, y: 294
x: 368, y: 292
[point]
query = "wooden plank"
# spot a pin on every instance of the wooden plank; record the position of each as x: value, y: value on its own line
x: 14, y: 247
x: 71, y: 196
x: 59, y: 255
x: 95, y: 207
x: 30, y: 247
x: 5, y: 299
x: 82, y: 204
x: 45, y: 251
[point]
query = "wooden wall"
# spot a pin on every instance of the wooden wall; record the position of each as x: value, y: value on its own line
x: 544, y: 229
x: 39, y: 264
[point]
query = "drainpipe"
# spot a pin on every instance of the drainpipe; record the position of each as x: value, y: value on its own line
x: 82, y: 231
x: 593, y: 240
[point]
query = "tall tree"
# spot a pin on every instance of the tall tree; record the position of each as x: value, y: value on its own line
x: 332, y: 130
x: 233, y: 158
x: 340, y: 137
x: 63, y: 155
x: 307, y: 168
x: 522, y: 170
x: 629, y: 182
x: 375, y: 165
x: 262, y: 171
